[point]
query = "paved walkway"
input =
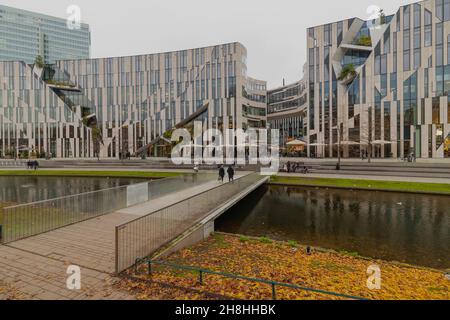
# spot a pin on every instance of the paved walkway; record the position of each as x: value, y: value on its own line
x: 26, y: 275
x: 367, y: 177
x: 36, y: 267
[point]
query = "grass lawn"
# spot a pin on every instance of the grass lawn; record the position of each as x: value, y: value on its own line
x: 282, y: 262
x: 364, y: 184
x: 89, y: 173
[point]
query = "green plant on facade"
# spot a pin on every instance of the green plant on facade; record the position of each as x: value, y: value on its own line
x: 39, y: 62
x: 365, y: 41
x: 347, y: 72
x: 168, y: 134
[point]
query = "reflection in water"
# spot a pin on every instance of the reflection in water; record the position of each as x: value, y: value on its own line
x: 31, y: 189
x: 409, y: 228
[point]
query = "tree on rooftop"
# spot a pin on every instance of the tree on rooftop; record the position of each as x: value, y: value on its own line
x: 39, y: 62
x: 382, y: 16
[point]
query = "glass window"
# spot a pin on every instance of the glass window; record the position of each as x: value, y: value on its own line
x: 448, y: 49
x: 447, y: 80
x: 417, y: 40
x: 406, y: 61
x: 387, y: 41
x: 406, y: 18
x: 417, y: 58
x: 439, y: 81
x: 311, y: 57
x: 446, y: 10
x: 439, y: 56
x: 327, y: 35
x: 406, y: 41
x: 377, y: 65
x: 428, y: 41
x: 417, y: 16
x: 340, y: 30
x: 394, y: 41
x: 384, y: 64
x: 440, y: 9
x: 439, y: 34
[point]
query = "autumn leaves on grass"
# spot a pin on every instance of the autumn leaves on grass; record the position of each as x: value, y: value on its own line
x: 282, y: 262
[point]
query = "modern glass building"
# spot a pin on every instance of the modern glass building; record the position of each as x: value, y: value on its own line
x: 109, y: 107
x: 286, y: 111
x: 24, y: 35
x: 381, y: 87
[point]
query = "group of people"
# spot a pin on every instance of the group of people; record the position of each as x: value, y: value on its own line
x: 410, y: 158
x: 295, y: 167
x: 230, y: 172
x: 364, y: 155
x: 34, y: 165
x: 125, y: 155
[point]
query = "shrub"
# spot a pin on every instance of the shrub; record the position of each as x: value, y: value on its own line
x: 293, y: 244
x: 348, y: 70
x: 39, y: 62
x: 350, y: 254
x: 244, y: 239
x: 365, y: 41
x: 382, y: 16
x: 265, y: 240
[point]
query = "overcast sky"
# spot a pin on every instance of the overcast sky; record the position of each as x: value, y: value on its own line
x: 274, y: 31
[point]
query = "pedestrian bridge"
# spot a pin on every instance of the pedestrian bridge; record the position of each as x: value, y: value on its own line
x: 108, y: 230
x: 147, y: 234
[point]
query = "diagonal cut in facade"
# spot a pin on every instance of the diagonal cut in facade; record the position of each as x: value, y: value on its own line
x: 112, y: 107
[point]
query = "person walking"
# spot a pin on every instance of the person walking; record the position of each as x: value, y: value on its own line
x: 221, y: 174
x: 230, y: 172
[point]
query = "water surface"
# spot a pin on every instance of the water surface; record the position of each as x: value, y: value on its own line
x: 410, y: 228
x: 15, y: 190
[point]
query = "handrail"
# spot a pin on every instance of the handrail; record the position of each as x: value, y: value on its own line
x: 274, y: 284
x: 176, y: 203
x: 150, y: 181
x: 64, y: 197
x: 140, y: 237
